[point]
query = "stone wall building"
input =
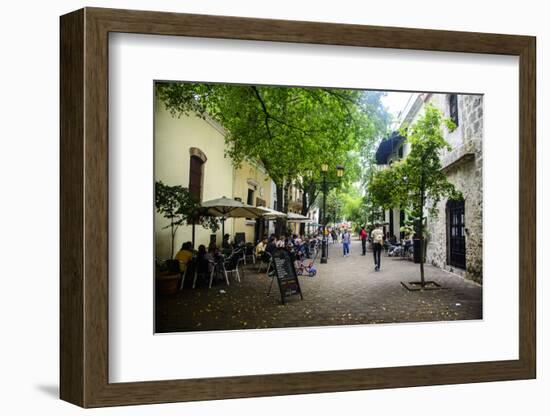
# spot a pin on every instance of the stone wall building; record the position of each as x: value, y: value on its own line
x: 455, y: 232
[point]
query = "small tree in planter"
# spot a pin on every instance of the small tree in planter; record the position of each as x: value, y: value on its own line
x: 418, y: 182
x: 407, y: 230
x: 180, y: 207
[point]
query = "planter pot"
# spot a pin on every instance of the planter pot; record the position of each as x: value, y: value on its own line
x: 167, y: 283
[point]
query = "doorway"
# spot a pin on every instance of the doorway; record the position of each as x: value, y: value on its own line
x: 456, y: 235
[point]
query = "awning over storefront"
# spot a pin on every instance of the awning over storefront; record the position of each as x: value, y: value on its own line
x: 387, y: 147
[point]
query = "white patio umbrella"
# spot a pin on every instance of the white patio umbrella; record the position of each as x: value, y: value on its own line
x: 230, y: 208
x: 271, y: 214
x: 292, y: 217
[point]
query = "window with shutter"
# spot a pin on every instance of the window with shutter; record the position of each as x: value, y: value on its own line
x: 195, y: 177
x: 453, y: 108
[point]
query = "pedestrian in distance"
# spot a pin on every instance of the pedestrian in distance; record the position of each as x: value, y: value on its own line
x: 377, y: 244
x: 334, y: 236
x: 346, y: 239
x: 363, y: 235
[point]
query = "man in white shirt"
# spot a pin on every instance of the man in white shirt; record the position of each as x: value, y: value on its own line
x: 377, y: 245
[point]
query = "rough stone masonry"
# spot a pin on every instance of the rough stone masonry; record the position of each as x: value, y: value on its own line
x: 463, y: 166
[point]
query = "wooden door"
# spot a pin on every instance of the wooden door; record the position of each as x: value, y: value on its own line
x: 456, y: 233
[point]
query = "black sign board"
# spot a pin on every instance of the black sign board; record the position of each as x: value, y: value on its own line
x: 287, y: 278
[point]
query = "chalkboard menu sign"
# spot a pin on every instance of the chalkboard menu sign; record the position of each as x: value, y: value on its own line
x: 287, y: 277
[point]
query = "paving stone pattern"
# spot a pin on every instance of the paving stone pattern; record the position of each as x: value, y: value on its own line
x: 345, y: 291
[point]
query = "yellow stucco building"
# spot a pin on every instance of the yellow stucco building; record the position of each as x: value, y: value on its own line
x: 251, y: 185
x: 190, y: 151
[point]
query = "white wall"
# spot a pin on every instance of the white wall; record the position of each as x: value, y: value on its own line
x: 29, y: 213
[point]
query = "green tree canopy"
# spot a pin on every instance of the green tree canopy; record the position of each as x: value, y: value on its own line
x: 288, y: 129
x: 292, y: 131
x: 334, y: 205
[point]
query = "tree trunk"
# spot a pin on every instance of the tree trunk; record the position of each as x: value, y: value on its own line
x: 173, y: 234
x: 286, y: 200
x: 279, y: 223
x: 286, y: 196
x: 308, y: 198
x: 305, y: 209
x: 421, y: 231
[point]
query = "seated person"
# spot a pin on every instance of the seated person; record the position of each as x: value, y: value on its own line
x: 281, y: 242
x: 185, y: 255
x: 271, y: 245
x: 306, y: 245
x: 226, y: 244
x: 213, y: 249
x: 204, y: 260
x: 300, y: 250
x: 260, y: 248
x: 408, y: 241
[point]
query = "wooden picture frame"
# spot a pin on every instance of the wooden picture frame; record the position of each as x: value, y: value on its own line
x: 84, y: 207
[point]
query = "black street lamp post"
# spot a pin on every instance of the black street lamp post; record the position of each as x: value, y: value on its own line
x: 325, y: 183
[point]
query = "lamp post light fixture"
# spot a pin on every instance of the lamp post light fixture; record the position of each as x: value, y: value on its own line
x: 325, y: 183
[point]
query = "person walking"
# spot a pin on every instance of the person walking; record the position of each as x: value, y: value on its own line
x: 363, y: 235
x: 377, y: 244
x: 346, y: 237
x: 334, y: 236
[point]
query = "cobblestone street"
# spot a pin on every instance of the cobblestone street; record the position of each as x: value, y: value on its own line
x: 345, y: 291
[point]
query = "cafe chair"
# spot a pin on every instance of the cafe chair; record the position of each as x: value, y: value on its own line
x: 206, y: 268
x: 265, y: 262
x: 183, y: 276
x: 249, y: 253
x: 240, y: 253
x: 231, y: 265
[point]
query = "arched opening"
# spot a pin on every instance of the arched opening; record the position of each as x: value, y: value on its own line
x: 453, y: 108
x: 196, y: 172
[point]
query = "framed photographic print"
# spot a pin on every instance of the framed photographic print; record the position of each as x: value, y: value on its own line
x: 255, y: 207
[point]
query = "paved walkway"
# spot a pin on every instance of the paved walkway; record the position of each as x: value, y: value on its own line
x: 345, y: 291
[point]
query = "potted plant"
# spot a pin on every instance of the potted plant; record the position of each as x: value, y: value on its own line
x: 167, y: 277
